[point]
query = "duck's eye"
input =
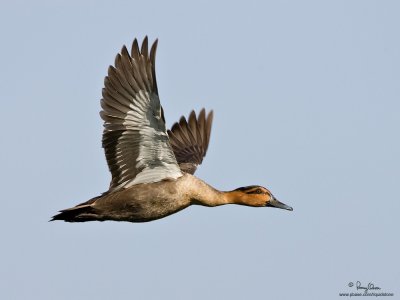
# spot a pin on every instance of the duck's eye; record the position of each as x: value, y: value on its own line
x: 258, y: 191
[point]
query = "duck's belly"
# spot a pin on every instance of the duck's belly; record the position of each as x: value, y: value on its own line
x: 144, y: 202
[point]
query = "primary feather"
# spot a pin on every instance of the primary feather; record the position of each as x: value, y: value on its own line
x: 135, y: 139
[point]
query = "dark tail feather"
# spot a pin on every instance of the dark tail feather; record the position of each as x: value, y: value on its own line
x: 82, y: 213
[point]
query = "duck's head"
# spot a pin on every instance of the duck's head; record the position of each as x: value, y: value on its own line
x: 258, y: 196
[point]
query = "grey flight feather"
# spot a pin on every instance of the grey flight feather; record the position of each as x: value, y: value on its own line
x: 189, y: 140
x: 135, y: 139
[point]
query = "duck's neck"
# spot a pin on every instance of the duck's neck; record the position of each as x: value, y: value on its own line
x: 206, y: 195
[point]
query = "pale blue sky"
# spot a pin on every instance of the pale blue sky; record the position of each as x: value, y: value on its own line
x: 306, y: 96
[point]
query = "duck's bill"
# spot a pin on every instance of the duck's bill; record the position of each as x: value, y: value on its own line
x: 278, y: 204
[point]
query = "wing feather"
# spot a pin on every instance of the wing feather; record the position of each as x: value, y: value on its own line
x: 189, y: 140
x: 135, y: 139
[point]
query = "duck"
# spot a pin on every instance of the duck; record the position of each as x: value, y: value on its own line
x: 152, y: 168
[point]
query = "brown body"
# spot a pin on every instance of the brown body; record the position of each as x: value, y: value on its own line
x: 147, y: 202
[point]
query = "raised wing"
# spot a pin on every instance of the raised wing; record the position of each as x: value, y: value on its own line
x: 135, y: 140
x: 189, y: 140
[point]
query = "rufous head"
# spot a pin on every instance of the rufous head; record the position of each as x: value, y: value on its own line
x: 258, y: 196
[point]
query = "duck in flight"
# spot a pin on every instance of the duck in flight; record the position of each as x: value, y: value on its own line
x: 152, y: 168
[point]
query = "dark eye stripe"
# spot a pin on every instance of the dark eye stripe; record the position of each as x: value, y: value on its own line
x: 252, y: 189
x: 255, y: 191
x: 247, y: 188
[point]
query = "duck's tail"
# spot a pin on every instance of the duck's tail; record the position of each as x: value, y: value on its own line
x: 81, y: 213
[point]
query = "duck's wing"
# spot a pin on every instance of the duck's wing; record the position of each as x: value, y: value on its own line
x: 189, y: 140
x: 135, y: 138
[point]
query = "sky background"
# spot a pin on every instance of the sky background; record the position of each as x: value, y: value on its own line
x: 306, y: 97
